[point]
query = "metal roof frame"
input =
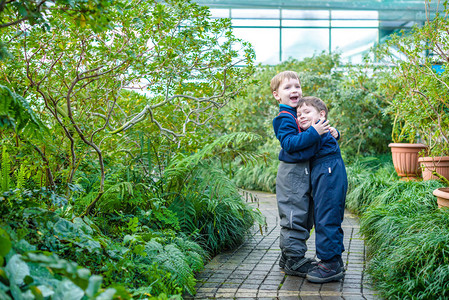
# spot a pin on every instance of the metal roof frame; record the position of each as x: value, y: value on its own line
x: 389, y: 10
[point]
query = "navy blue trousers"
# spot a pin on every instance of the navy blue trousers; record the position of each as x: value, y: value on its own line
x: 329, y: 187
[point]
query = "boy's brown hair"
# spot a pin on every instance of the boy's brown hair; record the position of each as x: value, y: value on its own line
x: 278, y: 78
x: 314, y: 102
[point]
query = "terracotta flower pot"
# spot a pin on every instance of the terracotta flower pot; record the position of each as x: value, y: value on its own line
x: 442, y: 195
x: 405, y: 159
x: 440, y: 164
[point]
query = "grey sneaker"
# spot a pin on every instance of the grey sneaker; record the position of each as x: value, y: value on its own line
x: 326, y: 272
x: 299, y: 267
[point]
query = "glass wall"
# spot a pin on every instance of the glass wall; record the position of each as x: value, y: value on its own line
x: 278, y: 34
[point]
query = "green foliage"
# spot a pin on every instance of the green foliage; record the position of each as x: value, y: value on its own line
x: 81, y: 78
x: 225, y: 148
x: 31, y: 274
x: 21, y: 177
x: 260, y: 176
x: 205, y: 200
x: 407, y: 236
x: 4, y: 171
x: 163, y: 262
x: 211, y: 208
x: 82, y: 13
x: 419, y: 81
x: 16, y: 113
x: 366, y: 178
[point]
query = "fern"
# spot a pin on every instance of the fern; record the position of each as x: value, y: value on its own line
x: 214, y: 205
x: 21, y: 177
x: 15, y: 112
x: 181, y: 259
x: 5, y: 169
x: 113, y: 197
x: 228, y: 146
x: 174, y: 261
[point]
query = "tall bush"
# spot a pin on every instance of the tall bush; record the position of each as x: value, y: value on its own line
x: 81, y: 80
x: 419, y: 75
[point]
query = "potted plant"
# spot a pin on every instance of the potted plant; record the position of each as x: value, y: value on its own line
x: 425, y: 89
x: 442, y: 195
x: 405, y: 150
x: 405, y: 154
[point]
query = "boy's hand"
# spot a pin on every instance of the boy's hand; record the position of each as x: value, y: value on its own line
x: 333, y: 132
x: 322, y: 126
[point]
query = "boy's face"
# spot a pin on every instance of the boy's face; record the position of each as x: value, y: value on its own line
x: 289, y: 92
x: 308, y: 115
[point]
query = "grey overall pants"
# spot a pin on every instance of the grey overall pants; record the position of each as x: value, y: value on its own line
x: 295, y: 205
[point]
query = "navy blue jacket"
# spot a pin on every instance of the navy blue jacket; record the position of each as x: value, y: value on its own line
x: 328, y: 146
x: 296, y: 146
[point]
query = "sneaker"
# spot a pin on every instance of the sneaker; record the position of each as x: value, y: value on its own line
x: 326, y: 272
x: 299, y: 267
x: 282, y: 260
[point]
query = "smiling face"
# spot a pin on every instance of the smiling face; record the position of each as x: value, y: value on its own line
x: 289, y: 92
x: 309, y: 115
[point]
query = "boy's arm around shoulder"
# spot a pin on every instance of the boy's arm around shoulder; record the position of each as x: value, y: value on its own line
x: 286, y: 131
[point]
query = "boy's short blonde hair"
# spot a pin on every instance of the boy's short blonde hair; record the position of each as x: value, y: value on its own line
x: 276, y: 80
x: 314, y: 102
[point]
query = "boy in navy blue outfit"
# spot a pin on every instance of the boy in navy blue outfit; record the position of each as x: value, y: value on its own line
x: 329, y: 187
x: 293, y: 178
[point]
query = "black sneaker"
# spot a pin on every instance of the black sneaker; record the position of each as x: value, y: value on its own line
x: 299, y: 267
x: 282, y: 260
x: 326, y: 272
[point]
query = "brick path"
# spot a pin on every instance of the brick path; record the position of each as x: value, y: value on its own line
x: 252, y: 271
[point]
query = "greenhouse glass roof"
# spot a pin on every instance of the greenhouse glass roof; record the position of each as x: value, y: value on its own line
x: 297, y: 28
x: 391, y: 9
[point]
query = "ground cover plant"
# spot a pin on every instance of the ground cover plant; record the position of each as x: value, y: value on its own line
x: 406, y: 234
x: 107, y: 147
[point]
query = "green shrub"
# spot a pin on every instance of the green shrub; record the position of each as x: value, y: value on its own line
x: 406, y: 235
x: 260, y: 176
x: 366, y: 178
x: 138, y: 258
x: 207, y: 203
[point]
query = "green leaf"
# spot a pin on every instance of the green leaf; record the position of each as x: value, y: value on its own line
x: 37, y: 293
x: 17, y: 269
x: 5, y: 243
x: 94, y: 285
x: 67, y: 290
x: 107, y: 295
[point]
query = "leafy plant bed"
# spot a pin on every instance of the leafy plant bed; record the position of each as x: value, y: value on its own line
x: 406, y: 235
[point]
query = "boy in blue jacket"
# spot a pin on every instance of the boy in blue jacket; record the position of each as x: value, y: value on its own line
x: 293, y: 191
x: 329, y: 186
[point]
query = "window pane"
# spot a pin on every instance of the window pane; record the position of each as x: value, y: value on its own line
x: 353, y: 43
x: 265, y: 42
x: 255, y: 22
x: 305, y: 14
x: 305, y: 23
x: 354, y: 23
x: 300, y: 43
x: 255, y: 13
x: 355, y: 14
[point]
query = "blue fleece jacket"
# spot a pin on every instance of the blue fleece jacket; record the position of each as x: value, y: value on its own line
x: 296, y: 146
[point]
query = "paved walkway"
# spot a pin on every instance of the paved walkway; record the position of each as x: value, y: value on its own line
x: 252, y: 271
